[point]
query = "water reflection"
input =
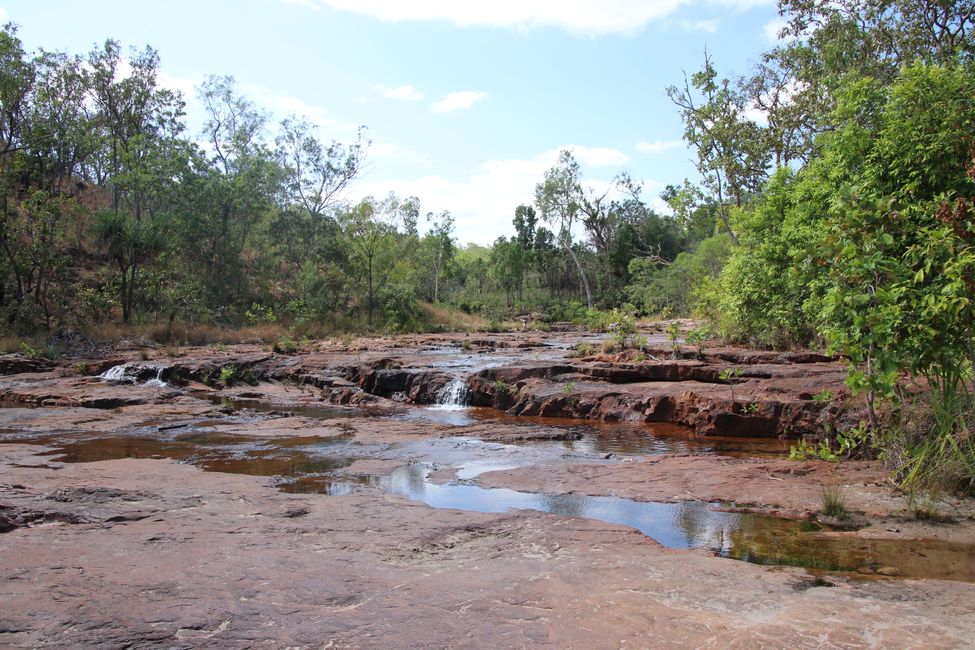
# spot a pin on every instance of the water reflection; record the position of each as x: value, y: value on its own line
x: 309, y: 465
x: 689, y: 524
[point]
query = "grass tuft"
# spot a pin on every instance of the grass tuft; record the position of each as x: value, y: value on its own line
x: 833, y: 499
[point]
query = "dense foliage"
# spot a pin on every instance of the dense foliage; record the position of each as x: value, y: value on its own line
x: 114, y: 211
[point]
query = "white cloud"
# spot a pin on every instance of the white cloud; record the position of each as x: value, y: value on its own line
x: 3, y: 15
x: 594, y: 156
x: 659, y: 146
x: 185, y: 85
x: 484, y: 204
x: 709, y: 26
x: 391, y: 151
x: 783, y: 97
x: 582, y: 16
x: 458, y: 101
x: 402, y: 93
x: 282, y: 106
x: 578, y: 16
x: 757, y: 115
x: 307, y: 4
x: 772, y: 29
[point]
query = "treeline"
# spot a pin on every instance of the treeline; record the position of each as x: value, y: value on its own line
x: 114, y: 211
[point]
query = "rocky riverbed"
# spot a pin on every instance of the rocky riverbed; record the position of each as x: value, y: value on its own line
x: 455, y: 491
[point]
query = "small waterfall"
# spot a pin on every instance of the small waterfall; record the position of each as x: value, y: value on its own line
x: 132, y: 372
x: 157, y: 381
x: 115, y: 373
x: 453, y: 396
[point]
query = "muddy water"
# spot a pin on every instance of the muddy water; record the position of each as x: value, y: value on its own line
x: 309, y: 465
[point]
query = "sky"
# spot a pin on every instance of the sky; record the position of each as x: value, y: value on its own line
x: 467, y: 103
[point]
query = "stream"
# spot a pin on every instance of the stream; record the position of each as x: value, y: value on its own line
x: 314, y: 465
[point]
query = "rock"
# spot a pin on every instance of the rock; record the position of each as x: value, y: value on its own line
x: 14, y: 364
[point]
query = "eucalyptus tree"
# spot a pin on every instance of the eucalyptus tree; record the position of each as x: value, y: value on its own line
x: 17, y: 77
x: 731, y: 154
x: 436, y: 251
x: 525, y: 222
x: 239, y: 181
x: 134, y: 114
x: 369, y: 234
x: 507, y: 267
x: 557, y: 198
x: 316, y: 176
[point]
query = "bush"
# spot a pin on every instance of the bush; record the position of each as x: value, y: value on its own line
x: 285, y: 345
x: 400, y: 307
x: 674, y: 289
x: 765, y: 294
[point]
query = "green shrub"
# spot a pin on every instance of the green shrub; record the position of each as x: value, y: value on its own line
x: 228, y: 375
x: 400, y: 307
x: 622, y: 328
x: 285, y: 345
x: 259, y: 314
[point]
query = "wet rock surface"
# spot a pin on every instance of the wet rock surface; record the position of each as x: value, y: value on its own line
x: 195, y: 514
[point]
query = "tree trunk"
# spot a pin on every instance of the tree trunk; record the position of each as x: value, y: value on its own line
x: 582, y: 273
x: 370, y: 298
x: 124, y: 292
x: 723, y: 211
x: 129, y: 298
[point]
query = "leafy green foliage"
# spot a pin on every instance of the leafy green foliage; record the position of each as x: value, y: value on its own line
x: 622, y: 328
x: 853, y: 443
x: 502, y: 387
x: 673, y: 335
x: 285, y: 345
x: 730, y: 376
x: 698, y: 337
x: 229, y: 375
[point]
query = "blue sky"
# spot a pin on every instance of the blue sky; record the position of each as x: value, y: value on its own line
x: 467, y: 103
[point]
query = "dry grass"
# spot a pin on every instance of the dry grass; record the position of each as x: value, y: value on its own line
x: 9, y: 344
x: 182, y: 334
x: 453, y: 320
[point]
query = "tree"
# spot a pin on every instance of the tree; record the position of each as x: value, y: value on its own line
x: 507, y: 264
x: 731, y: 155
x: 316, y: 175
x: 557, y: 198
x: 127, y: 243
x: 436, y: 251
x: 525, y: 222
x: 825, y: 40
x: 237, y: 181
x: 368, y: 232
x: 694, y: 215
x: 138, y: 124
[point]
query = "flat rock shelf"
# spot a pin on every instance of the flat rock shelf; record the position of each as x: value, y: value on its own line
x: 455, y: 491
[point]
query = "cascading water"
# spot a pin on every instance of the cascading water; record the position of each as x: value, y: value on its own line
x: 130, y: 373
x: 157, y: 381
x: 453, y: 396
x: 115, y: 373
